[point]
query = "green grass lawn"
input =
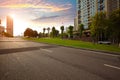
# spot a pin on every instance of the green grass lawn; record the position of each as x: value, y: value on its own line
x: 77, y: 44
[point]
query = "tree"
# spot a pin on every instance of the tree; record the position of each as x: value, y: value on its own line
x: 35, y: 33
x: 70, y: 31
x: 53, y: 32
x: 115, y: 26
x: 28, y: 32
x: 62, y: 29
x: 40, y: 35
x: 44, y: 31
x: 98, y: 26
x: 48, y: 30
x: 80, y: 29
x: 56, y: 33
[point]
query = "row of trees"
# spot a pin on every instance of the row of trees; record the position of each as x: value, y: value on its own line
x: 106, y: 27
x: 54, y: 33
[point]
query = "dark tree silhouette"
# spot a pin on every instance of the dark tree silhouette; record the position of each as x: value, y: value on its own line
x: 35, y: 33
x: 70, y: 31
x: 48, y: 31
x: 62, y: 29
x: 28, y: 32
x: 44, y: 31
x: 53, y: 32
x: 115, y: 26
x: 80, y: 30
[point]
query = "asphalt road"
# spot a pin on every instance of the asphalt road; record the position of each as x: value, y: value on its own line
x: 25, y: 60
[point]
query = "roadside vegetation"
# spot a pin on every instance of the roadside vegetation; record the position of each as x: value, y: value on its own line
x: 76, y: 44
x: 106, y: 28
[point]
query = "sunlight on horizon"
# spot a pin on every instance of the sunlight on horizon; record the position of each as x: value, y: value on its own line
x: 19, y: 25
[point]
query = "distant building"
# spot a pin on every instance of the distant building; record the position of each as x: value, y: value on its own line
x: 78, y: 12
x: 88, y: 8
x: 75, y: 24
x: 2, y: 29
x: 9, y: 25
x: 0, y: 21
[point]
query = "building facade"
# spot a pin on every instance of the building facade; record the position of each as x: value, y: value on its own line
x: 9, y: 25
x: 2, y: 29
x: 78, y: 11
x: 85, y: 9
x: 88, y: 8
x: 107, y: 5
x: 75, y: 23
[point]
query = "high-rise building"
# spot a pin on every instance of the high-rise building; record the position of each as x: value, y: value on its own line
x: 118, y: 4
x: 88, y: 8
x: 10, y: 25
x: 2, y: 29
x: 107, y: 5
x: 75, y: 24
x: 78, y: 11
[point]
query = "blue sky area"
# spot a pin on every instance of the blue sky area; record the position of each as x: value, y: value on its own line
x: 38, y: 14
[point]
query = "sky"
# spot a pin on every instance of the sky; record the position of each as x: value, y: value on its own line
x: 38, y: 14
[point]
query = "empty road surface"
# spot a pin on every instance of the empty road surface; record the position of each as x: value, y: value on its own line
x: 26, y: 60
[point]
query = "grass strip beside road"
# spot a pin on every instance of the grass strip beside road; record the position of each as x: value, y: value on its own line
x: 77, y: 44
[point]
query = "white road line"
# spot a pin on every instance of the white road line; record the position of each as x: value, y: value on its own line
x: 112, y: 66
x: 47, y: 50
x: 108, y: 54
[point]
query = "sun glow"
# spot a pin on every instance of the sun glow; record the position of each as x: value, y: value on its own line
x: 19, y: 24
x: 12, y: 15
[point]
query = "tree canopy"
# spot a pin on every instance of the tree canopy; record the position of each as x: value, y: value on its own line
x: 98, y: 26
x: 70, y: 31
x: 62, y: 29
x: 30, y: 33
x: 115, y: 26
x: 80, y: 29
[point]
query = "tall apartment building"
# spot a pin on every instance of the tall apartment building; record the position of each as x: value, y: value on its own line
x: 9, y: 24
x: 107, y: 5
x: 78, y: 12
x: 88, y: 8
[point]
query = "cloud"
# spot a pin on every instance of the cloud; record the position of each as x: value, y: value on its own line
x: 40, y: 4
x: 64, y: 18
x: 46, y: 17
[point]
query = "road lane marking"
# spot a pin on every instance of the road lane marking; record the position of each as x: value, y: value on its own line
x: 112, y: 66
x: 108, y: 54
x: 47, y: 50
